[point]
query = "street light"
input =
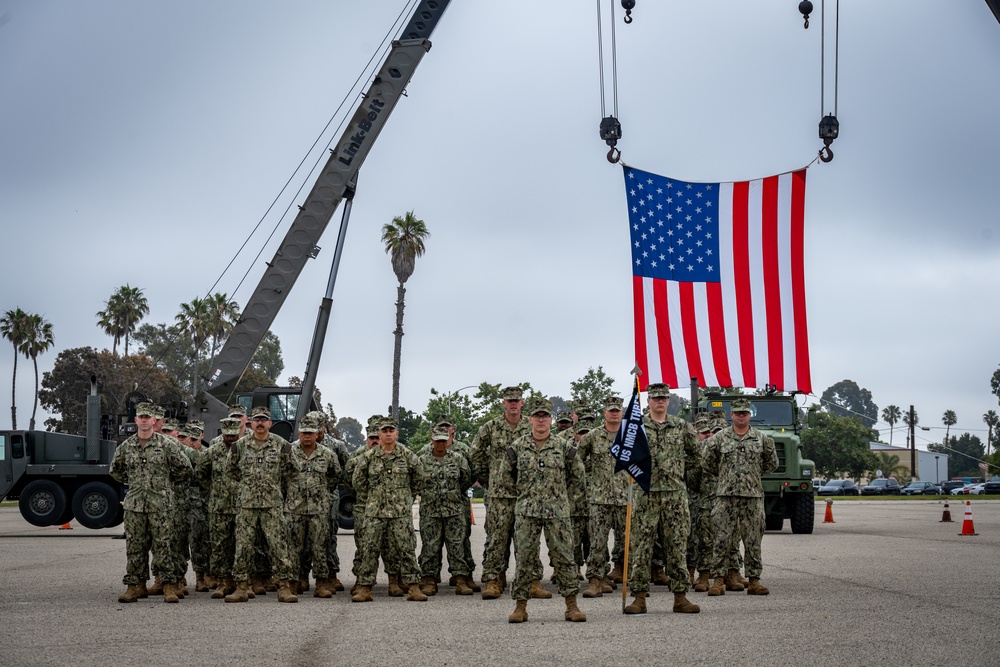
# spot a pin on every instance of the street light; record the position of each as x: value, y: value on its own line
x: 937, y: 469
x: 455, y: 393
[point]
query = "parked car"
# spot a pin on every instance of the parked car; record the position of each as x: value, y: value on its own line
x: 921, y: 489
x: 951, y: 485
x: 976, y: 489
x: 992, y: 486
x: 881, y: 487
x: 818, y: 483
x: 962, y: 490
x: 839, y: 487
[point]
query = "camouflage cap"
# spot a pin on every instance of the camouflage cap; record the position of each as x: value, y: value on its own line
x: 439, y: 433
x: 702, y: 422
x: 310, y: 424
x: 387, y: 422
x: 588, y: 418
x: 260, y: 411
x: 230, y: 425
x: 237, y: 411
x: 318, y: 415
x: 539, y: 404
x: 189, y: 431
x: 740, y: 405
x: 718, y: 425
x: 512, y: 393
x: 658, y: 390
x: 373, y: 422
x: 171, y: 425
x: 146, y: 409
x: 613, y: 403
x: 564, y: 416
x: 160, y: 412
x: 583, y: 427
x: 198, y: 424
x: 444, y: 420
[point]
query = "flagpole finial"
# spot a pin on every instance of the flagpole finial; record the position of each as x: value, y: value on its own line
x: 636, y: 370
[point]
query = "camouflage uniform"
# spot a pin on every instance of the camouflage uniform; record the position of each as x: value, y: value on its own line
x: 150, y: 470
x: 222, y: 492
x: 661, y: 515
x: 607, y: 496
x: 739, y: 462
x: 444, y: 512
x: 263, y: 470
x: 307, y: 507
x: 339, y: 448
x: 389, y: 483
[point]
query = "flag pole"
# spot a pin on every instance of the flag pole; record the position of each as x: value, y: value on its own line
x: 628, y: 513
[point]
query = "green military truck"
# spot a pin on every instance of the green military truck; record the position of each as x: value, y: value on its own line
x: 788, y: 491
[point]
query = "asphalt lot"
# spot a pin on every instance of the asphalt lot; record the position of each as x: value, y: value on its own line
x: 886, y: 584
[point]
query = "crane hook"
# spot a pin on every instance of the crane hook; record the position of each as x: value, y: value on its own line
x: 628, y: 5
x: 614, y: 155
x: 826, y: 154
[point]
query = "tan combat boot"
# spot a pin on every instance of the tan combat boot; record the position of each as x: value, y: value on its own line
x: 428, y: 586
x: 143, y: 593
x: 704, y: 581
x: 471, y: 583
x: 616, y: 574
x: 414, y: 594
x: 241, y: 594
x: 594, y: 589
x: 303, y: 583
x: 199, y: 583
x: 682, y: 606
x: 520, y: 613
x: 538, y: 591
x: 181, y: 588
x: 270, y: 584
x: 285, y: 593
x: 257, y: 586
x: 743, y: 580
x: 211, y: 582
x: 607, y: 586
x: 462, y: 587
x: 638, y: 605
x: 573, y: 613
x: 755, y: 587
x: 395, y: 587
x: 131, y: 594
x: 156, y: 588
x: 362, y: 594
x: 220, y: 591
x: 503, y: 581
x: 732, y: 583
x: 691, y: 576
x: 335, y: 584
x: 718, y: 587
x: 170, y: 593
x: 659, y: 576
x: 323, y: 589
x: 492, y: 590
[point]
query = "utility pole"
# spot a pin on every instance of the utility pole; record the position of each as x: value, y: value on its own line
x: 913, y: 445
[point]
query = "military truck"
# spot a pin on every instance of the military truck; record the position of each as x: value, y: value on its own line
x: 788, y: 490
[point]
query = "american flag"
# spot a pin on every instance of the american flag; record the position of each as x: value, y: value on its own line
x: 718, y: 282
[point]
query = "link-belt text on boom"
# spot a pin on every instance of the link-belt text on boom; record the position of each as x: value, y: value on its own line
x: 364, y: 125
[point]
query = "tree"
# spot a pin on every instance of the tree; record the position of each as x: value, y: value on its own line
x: 891, y: 416
x: 906, y: 418
x: 296, y: 381
x: 37, y: 340
x: 995, y: 383
x: 847, y: 399
x: 121, y: 315
x: 965, y: 452
x: 220, y: 320
x: 949, y: 419
x: 838, y: 445
x: 193, y: 323
x: 592, y: 388
x: 13, y: 325
x: 350, y: 430
x: 889, y: 464
x: 404, y: 242
x: 991, y: 419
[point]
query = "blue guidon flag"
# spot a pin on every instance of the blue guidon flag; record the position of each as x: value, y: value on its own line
x: 631, y: 449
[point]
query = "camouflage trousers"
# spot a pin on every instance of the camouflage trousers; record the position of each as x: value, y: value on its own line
x: 198, y: 540
x: 470, y: 561
x: 527, y: 544
x: 443, y: 531
x: 604, y: 519
x: 222, y: 529
x: 700, y: 547
x: 663, y: 519
x: 738, y: 518
x: 308, y: 541
x: 359, y: 524
x: 269, y: 522
x: 499, y: 535
x: 393, y: 537
x: 145, y: 532
x: 332, y: 559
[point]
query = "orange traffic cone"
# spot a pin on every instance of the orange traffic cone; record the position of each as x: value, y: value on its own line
x: 472, y: 515
x: 946, y: 517
x: 967, y: 527
x: 829, y: 511
x: 66, y: 526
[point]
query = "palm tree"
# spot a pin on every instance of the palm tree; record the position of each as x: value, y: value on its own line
x: 121, y: 315
x: 404, y: 242
x: 991, y: 419
x: 906, y: 420
x: 891, y: 416
x: 37, y: 339
x: 12, y: 326
x: 193, y: 323
x: 222, y: 316
x: 888, y: 464
x: 949, y: 419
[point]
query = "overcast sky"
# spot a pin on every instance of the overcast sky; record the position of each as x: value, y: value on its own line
x: 143, y: 141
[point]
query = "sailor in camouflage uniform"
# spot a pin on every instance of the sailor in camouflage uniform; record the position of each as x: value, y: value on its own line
x: 361, y: 499
x: 544, y: 468
x: 699, y: 552
x: 489, y: 449
x: 465, y: 450
x: 307, y: 503
x: 443, y: 513
x: 332, y: 440
x: 391, y: 476
x: 661, y: 514
x: 261, y: 462
x: 198, y: 545
x: 739, y: 456
x: 148, y: 462
x: 221, y: 491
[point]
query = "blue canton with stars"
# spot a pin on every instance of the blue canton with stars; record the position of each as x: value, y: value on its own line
x: 674, y: 227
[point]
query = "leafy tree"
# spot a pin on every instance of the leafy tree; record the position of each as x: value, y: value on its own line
x: 37, y: 340
x: 592, y: 388
x: 404, y: 242
x: 296, y: 381
x: 222, y: 315
x: 193, y: 321
x: 889, y: 465
x: 65, y: 388
x: 995, y: 384
x: 891, y: 416
x: 949, y: 419
x: 847, y: 399
x: 458, y: 407
x: 965, y: 452
x: 350, y: 430
x: 121, y: 315
x: 838, y: 445
x: 991, y: 419
x: 268, y: 358
x: 13, y: 327
x: 410, y: 431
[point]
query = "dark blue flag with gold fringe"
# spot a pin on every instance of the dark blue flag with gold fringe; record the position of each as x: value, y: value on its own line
x: 631, y: 449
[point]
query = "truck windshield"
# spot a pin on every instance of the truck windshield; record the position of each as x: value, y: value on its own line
x: 766, y: 413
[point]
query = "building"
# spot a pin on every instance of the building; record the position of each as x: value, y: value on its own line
x: 931, y: 466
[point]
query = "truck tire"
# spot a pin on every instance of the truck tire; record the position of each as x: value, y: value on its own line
x: 774, y: 522
x: 95, y: 505
x: 42, y: 503
x: 345, y: 510
x: 803, y: 513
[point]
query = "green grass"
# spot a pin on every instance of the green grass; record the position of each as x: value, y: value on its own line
x: 9, y: 503
x: 949, y: 498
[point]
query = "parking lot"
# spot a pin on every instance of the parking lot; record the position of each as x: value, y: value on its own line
x: 886, y: 584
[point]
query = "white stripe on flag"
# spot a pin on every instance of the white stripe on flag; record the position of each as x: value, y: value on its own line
x: 755, y: 252
x: 785, y: 281
x: 653, y: 369
x: 728, y: 283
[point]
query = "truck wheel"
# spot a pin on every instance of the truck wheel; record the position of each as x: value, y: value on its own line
x: 773, y: 522
x: 345, y: 511
x: 803, y: 512
x: 42, y: 503
x: 95, y: 505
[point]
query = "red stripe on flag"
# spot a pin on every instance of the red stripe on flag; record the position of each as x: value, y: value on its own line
x: 741, y: 276
x: 667, y: 366
x: 772, y: 280
x: 717, y: 333
x: 690, y: 330
x: 798, y: 213
x: 639, y: 323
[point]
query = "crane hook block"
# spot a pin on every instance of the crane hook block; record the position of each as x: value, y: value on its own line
x: 629, y: 5
x: 829, y: 129
x: 805, y: 8
x: 611, y: 132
